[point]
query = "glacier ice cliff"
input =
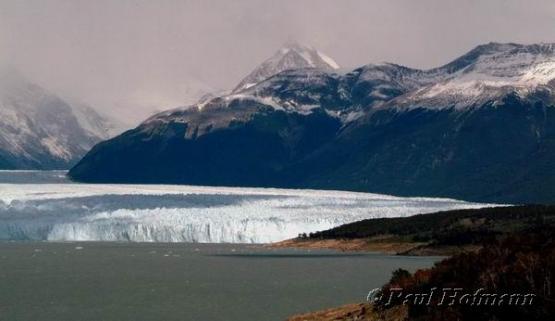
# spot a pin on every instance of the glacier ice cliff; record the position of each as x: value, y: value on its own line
x: 166, y: 213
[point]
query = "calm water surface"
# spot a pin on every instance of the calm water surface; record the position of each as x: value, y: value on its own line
x: 154, y: 281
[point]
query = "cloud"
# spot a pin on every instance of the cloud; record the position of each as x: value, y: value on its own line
x: 105, y: 52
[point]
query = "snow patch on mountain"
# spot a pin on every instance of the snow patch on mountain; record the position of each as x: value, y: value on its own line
x: 494, y: 71
x: 299, y: 79
x: 40, y: 130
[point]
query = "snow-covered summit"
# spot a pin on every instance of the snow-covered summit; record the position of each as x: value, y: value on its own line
x: 291, y: 56
x: 294, y: 81
x: 486, y: 74
x: 40, y: 130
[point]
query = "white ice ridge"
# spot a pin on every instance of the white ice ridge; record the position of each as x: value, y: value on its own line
x: 164, y: 213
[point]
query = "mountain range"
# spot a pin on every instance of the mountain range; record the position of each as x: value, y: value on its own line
x: 40, y: 130
x: 480, y: 128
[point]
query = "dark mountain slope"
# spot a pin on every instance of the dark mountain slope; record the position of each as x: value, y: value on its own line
x: 500, y: 154
x: 253, y: 152
x: 480, y: 128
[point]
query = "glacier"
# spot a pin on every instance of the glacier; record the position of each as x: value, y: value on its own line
x: 33, y: 207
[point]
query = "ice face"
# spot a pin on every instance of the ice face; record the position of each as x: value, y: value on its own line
x: 165, y: 213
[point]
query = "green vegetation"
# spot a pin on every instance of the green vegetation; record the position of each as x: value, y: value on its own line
x: 459, y: 227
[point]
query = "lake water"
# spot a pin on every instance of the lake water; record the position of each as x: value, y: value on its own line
x: 180, y: 281
x: 131, y: 272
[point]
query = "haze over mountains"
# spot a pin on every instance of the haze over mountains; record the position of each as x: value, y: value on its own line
x: 479, y: 128
x: 39, y: 130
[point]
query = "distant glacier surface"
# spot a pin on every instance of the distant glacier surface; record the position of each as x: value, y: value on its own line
x: 45, y: 206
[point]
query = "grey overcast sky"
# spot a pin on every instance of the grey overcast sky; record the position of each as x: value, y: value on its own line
x: 129, y: 57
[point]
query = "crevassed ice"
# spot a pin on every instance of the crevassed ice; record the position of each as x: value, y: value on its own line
x: 162, y: 213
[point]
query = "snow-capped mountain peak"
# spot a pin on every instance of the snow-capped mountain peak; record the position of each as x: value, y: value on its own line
x: 291, y: 56
x: 486, y: 74
x: 311, y: 56
x: 40, y: 130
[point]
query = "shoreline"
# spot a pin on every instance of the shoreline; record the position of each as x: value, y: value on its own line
x: 353, y: 312
x: 381, y: 246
